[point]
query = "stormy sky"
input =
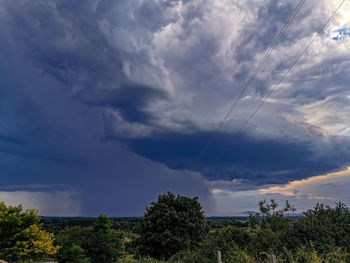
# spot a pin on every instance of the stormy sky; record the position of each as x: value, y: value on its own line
x: 106, y: 104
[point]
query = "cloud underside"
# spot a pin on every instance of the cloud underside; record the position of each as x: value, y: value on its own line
x: 91, y: 82
x: 229, y: 157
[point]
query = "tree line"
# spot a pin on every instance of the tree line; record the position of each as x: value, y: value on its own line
x: 130, y: 224
x: 174, y: 229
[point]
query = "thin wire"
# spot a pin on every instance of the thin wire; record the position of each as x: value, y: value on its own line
x: 250, y: 80
x: 263, y: 61
x: 290, y: 68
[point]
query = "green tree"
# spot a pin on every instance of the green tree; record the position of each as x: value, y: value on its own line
x: 270, y: 217
x: 103, y: 243
x: 325, y: 227
x: 73, y: 254
x: 171, y: 224
x: 270, y: 228
x: 72, y: 240
x: 21, y: 236
x: 99, y: 243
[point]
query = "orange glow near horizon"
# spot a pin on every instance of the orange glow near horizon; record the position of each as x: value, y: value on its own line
x: 290, y: 188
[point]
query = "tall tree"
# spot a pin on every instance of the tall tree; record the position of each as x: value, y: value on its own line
x: 72, y: 240
x: 21, y: 236
x: 171, y: 224
x: 272, y: 218
x: 103, y: 243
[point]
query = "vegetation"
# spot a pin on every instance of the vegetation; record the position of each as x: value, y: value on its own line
x: 216, y: 223
x: 174, y: 230
x: 99, y: 243
x: 58, y: 224
x: 21, y: 236
x: 170, y: 225
x: 130, y: 224
x: 323, y: 228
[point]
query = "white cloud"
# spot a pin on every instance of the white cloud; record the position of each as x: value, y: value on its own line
x: 200, y: 53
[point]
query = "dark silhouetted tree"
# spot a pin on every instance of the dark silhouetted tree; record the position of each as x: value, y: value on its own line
x: 171, y: 224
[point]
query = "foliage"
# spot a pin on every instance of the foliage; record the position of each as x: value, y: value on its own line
x: 171, y: 224
x: 189, y: 256
x: 221, y: 222
x: 130, y: 224
x: 73, y: 254
x: 128, y: 259
x: 226, y: 240
x: 21, y: 236
x: 99, y: 243
x: 131, y: 259
x: 325, y: 227
x: 264, y: 242
x: 104, y: 244
x: 230, y: 241
x: 174, y: 229
x: 238, y: 256
x: 71, y: 241
x: 337, y: 256
x: 270, y: 234
x: 270, y: 217
x: 57, y: 225
x: 321, y: 235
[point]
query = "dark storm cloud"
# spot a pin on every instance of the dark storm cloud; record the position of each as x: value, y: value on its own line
x: 50, y: 149
x: 89, y: 81
x: 258, y: 161
x: 105, y: 54
x: 131, y: 100
x: 50, y: 142
x: 25, y: 131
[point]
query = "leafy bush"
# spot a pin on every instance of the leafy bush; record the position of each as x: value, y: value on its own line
x: 131, y: 259
x: 325, y: 227
x: 189, y: 256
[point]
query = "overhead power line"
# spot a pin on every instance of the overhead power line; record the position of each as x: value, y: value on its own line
x: 290, y: 68
x: 262, y: 62
x: 252, y: 77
